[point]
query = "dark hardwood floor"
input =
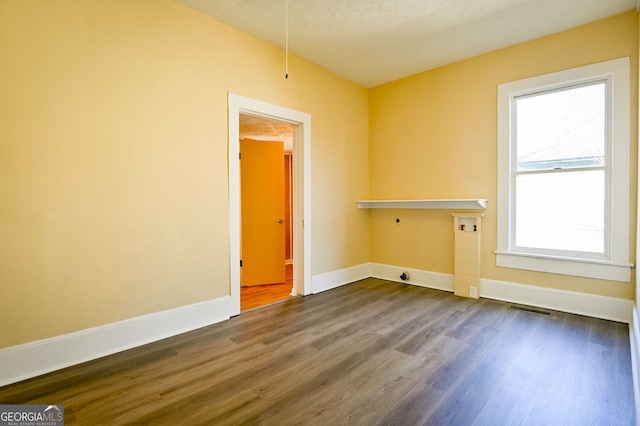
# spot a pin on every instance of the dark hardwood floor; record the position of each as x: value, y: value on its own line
x: 369, y: 353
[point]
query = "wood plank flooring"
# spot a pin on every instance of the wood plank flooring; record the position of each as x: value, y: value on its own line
x: 369, y: 353
x: 260, y: 295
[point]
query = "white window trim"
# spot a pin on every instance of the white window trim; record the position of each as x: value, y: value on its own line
x: 617, y: 266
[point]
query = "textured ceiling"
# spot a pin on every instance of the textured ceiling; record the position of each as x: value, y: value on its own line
x: 372, y: 42
x: 261, y: 128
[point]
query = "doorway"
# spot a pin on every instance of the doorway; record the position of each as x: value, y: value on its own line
x: 266, y: 274
x: 301, y: 188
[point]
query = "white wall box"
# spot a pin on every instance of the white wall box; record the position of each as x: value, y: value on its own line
x: 467, y: 228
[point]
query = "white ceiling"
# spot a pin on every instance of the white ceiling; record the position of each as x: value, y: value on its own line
x: 372, y: 42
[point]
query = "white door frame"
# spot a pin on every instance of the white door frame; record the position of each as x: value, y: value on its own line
x: 301, y: 191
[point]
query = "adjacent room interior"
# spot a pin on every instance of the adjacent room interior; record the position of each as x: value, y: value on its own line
x: 266, y: 189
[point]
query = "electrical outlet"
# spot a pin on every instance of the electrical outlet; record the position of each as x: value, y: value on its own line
x: 473, y: 292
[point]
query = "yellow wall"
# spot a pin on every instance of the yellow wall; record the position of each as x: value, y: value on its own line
x: 113, y: 159
x: 434, y: 135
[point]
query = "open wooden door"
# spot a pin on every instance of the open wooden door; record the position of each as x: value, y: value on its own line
x: 263, y: 212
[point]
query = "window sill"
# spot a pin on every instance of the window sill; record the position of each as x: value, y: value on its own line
x: 604, y: 270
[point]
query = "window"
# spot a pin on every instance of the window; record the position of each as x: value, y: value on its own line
x: 563, y: 172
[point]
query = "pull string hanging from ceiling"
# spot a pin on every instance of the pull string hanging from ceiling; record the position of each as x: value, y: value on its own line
x: 286, y: 39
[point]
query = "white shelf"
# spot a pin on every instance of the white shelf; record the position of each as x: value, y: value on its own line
x: 465, y: 203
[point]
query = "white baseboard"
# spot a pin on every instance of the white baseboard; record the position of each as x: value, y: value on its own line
x: 604, y: 307
x: 422, y: 278
x: 634, y: 340
x: 609, y: 308
x: 43, y: 356
x: 330, y: 280
x: 40, y: 357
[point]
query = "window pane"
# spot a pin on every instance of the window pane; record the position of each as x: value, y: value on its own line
x: 563, y: 129
x: 561, y: 211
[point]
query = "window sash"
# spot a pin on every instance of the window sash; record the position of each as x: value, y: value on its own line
x: 593, y: 142
x: 561, y: 228
x: 604, y: 252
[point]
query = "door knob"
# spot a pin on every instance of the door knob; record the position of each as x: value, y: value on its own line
x: 280, y: 220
